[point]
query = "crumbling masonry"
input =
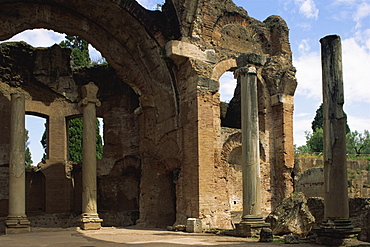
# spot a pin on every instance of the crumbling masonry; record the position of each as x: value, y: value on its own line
x: 166, y: 157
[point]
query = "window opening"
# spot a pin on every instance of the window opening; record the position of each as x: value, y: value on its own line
x: 37, y: 141
x: 75, y: 132
x: 227, y: 89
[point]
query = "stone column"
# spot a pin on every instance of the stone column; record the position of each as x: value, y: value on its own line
x: 90, y: 218
x: 17, y: 221
x: 336, y: 223
x: 252, y: 201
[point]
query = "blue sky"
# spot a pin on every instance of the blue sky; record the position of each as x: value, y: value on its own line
x: 308, y: 21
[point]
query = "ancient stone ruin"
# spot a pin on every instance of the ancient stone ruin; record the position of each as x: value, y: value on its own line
x: 166, y: 157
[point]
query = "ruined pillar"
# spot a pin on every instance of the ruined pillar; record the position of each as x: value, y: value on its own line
x: 252, y: 201
x: 336, y: 224
x: 90, y: 218
x: 17, y: 221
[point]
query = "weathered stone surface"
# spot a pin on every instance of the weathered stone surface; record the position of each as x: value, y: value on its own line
x: 178, y: 51
x: 311, y: 182
x: 292, y: 216
x: 291, y: 239
x: 309, y: 177
x: 266, y: 235
x: 162, y: 110
x: 359, y: 213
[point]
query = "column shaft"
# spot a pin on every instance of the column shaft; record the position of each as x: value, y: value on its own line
x: 336, y: 225
x: 252, y: 220
x: 335, y: 163
x: 250, y: 144
x: 89, y: 194
x: 17, y: 175
x: 90, y: 218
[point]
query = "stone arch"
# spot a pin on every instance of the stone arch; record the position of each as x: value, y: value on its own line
x: 238, y: 33
x: 232, y: 142
x: 121, y: 37
x: 222, y: 67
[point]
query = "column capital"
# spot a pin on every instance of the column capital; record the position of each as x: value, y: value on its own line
x: 89, y: 92
x: 86, y: 101
x: 249, y: 69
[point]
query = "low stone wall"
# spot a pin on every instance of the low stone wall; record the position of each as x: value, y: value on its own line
x: 309, y: 177
x: 359, y: 213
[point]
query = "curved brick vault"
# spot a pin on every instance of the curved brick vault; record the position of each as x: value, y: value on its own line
x: 166, y: 161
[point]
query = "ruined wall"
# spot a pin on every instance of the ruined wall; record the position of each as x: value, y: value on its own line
x: 229, y: 31
x: 52, y: 91
x: 309, y: 177
x: 172, y: 61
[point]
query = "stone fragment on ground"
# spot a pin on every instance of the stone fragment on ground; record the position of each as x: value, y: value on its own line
x: 266, y: 235
x: 291, y: 239
x: 291, y: 216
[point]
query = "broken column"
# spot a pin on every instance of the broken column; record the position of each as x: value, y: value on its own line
x: 90, y: 218
x: 247, y: 75
x: 336, y: 224
x: 17, y: 221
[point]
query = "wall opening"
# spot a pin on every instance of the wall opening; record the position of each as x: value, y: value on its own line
x: 74, y: 138
x: 37, y: 143
x: 227, y: 90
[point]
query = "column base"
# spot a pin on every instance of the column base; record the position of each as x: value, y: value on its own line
x: 17, y: 224
x: 250, y: 226
x: 335, y: 231
x: 90, y: 222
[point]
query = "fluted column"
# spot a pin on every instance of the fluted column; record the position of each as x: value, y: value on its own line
x: 336, y: 223
x: 17, y: 220
x: 252, y: 200
x: 90, y: 218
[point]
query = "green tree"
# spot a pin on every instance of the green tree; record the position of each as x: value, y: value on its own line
x: 318, y: 121
x: 80, y: 50
x: 28, y: 157
x: 358, y: 143
x: 315, y: 140
x: 75, y: 140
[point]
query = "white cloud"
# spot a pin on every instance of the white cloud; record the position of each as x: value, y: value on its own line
x: 308, y: 8
x: 39, y: 37
x: 304, y: 46
x: 356, y: 63
x: 299, y: 128
x: 354, y: 10
x: 227, y: 86
x: 363, y: 11
x: 309, y: 75
x: 358, y: 123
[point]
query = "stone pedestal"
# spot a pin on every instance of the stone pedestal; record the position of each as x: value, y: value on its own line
x: 194, y: 225
x: 336, y: 224
x: 17, y: 221
x: 252, y: 220
x: 90, y: 218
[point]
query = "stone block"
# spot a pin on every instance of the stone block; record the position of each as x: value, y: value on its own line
x: 291, y: 239
x: 243, y: 230
x: 194, y: 225
x: 251, y: 58
x: 266, y: 235
x: 178, y: 50
x: 209, y: 84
